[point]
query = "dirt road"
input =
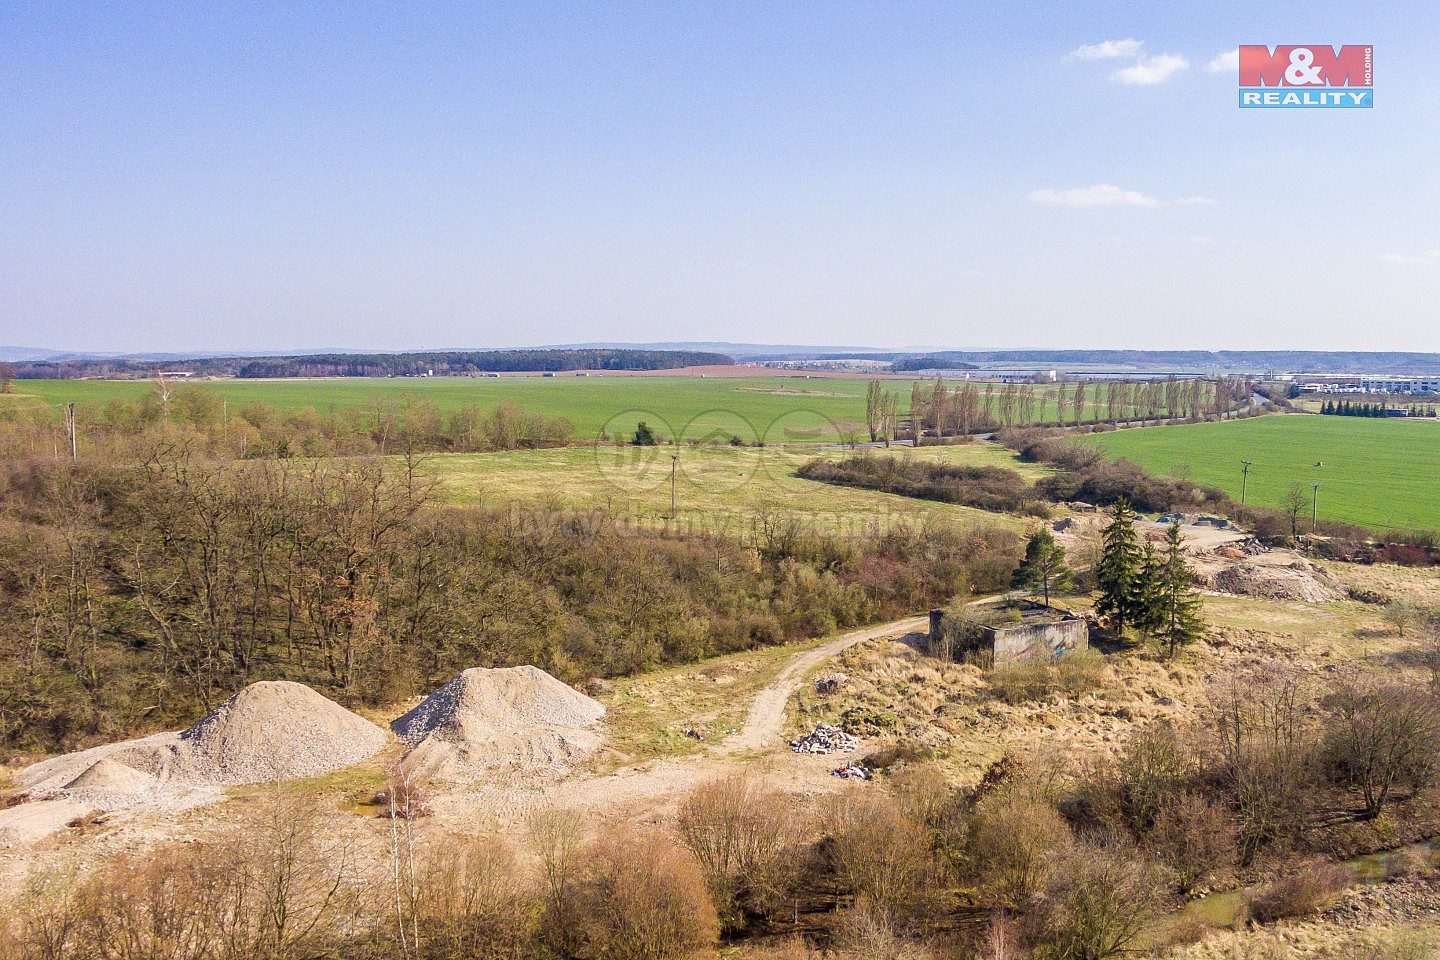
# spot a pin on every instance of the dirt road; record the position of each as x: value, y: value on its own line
x: 648, y: 790
x: 766, y: 718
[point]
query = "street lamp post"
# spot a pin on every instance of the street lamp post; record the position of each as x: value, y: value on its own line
x: 1244, y: 478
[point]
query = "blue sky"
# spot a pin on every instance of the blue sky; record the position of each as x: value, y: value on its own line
x: 279, y: 176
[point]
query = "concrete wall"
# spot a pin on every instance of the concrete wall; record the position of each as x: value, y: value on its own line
x: 1042, y: 639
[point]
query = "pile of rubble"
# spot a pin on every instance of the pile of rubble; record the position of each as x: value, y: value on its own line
x: 830, y: 682
x: 825, y: 739
x: 1240, y: 549
x: 1300, y: 580
x: 851, y: 770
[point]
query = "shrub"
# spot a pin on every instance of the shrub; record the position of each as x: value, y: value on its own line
x: 867, y: 933
x: 644, y: 897
x: 987, y: 488
x: 404, y: 797
x: 1308, y: 890
x: 476, y: 899
x: 744, y: 838
x: 1193, y: 838
x: 1012, y: 838
x: 1266, y: 760
x: 557, y: 840
x: 1098, y: 903
x: 1152, y: 771
x: 879, y: 855
x: 1379, y: 735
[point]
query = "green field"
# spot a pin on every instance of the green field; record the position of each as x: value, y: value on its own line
x: 777, y: 410
x: 1383, y: 474
x: 715, y: 487
x: 773, y: 409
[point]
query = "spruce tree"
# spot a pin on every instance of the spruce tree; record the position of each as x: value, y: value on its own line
x: 1176, y: 613
x: 1149, y: 591
x: 1044, y: 566
x: 1118, y: 572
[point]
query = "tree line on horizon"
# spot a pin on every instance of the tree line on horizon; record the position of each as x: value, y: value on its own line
x: 440, y: 363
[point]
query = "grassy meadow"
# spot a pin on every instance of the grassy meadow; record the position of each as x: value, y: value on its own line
x: 1383, y: 474
x: 715, y: 486
x: 773, y: 409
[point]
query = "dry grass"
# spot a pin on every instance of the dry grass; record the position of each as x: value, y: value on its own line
x: 716, y: 487
x: 1308, y: 890
x: 647, y: 715
x: 1040, y: 678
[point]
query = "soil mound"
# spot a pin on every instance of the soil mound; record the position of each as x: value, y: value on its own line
x: 517, y: 718
x: 1299, y: 581
x: 274, y: 730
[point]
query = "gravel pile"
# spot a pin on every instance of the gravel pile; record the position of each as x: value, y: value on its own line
x: 516, y: 718
x: 824, y: 739
x: 273, y: 730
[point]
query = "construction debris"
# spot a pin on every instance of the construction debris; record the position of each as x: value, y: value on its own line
x: 824, y: 739
x: 851, y: 770
x: 830, y: 682
x: 1299, y: 581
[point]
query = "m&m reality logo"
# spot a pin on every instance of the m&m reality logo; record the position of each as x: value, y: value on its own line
x: 1308, y: 75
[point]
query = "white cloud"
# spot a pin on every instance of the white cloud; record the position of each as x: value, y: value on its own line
x: 1108, y: 195
x: 1202, y: 239
x: 1151, y: 70
x: 1429, y: 256
x: 1100, y: 195
x: 1108, y: 49
x: 1227, y: 62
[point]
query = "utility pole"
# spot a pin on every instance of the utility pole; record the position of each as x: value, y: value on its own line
x: 70, y: 423
x: 673, y: 461
x: 1314, y: 505
x: 1244, y: 478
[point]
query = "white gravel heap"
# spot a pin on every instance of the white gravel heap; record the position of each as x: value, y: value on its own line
x: 273, y: 730
x: 825, y: 739
x: 519, y: 719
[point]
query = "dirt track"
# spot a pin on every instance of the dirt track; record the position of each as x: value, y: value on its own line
x: 646, y: 791
x: 766, y: 719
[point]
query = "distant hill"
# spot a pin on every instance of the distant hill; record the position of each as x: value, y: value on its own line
x: 441, y: 363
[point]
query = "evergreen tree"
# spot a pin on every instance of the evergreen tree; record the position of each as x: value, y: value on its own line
x: 1118, y: 572
x: 644, y: 436
x: 1044, y: 566
x: 1175, y: 606
x: 1149, y: 590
